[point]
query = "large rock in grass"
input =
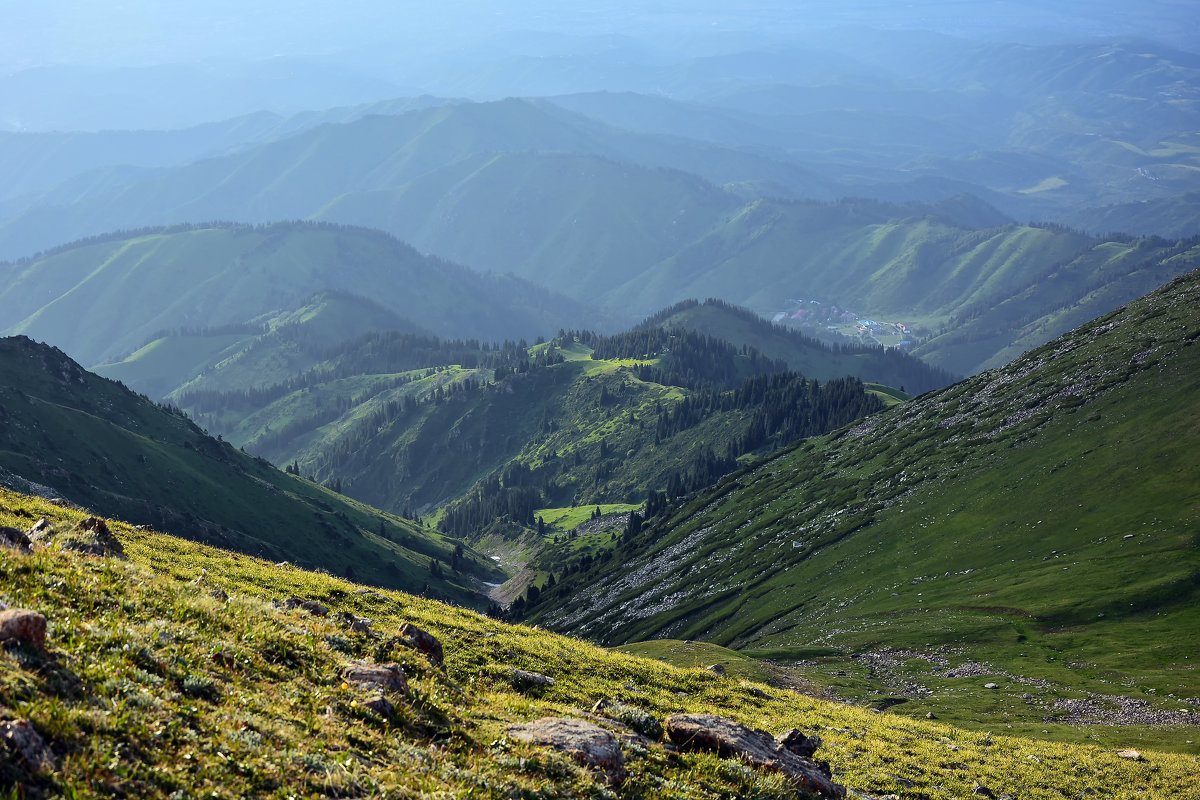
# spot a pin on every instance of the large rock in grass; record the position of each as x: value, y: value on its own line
x: 589, y: 744
x: 22, y: 625
x: 423, y: 641
x: 728, y: 739
x: 525, y: 681
x: 385, y: 677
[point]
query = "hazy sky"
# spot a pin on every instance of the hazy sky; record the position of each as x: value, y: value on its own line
x: 137, y: 32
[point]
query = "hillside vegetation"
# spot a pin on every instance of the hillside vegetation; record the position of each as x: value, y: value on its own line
x: 90, y: 441
x: 173, y: 673
x: 410, y: 421
x: 1033, y: 527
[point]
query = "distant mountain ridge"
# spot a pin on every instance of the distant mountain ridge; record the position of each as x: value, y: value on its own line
x: 104, y: 298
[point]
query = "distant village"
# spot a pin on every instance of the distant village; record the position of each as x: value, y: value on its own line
x: 831, y: 319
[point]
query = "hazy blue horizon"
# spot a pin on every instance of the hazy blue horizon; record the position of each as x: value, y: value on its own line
x: 149, y: 32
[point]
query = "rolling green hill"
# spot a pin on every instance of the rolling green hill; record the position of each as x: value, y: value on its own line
x: 1033, y: 527
x: 103, y: 299
x: 150, y: 684
x: 96, y: 444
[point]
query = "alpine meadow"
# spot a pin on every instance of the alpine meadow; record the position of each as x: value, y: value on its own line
x: 629, y: 400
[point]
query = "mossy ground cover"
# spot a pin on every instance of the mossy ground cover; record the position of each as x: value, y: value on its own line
x: 152, y: 687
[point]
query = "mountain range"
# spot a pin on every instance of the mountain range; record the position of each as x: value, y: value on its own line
x: 104, y: 298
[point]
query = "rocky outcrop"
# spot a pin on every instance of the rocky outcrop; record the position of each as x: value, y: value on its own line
x: 524, y: 681
x: 729, y: 739
x: 588, y: 744
x: 385, y: 677
x: 311, y: 606
x: 94, y: 538
x: 422, y: 641
x: 354, y: 622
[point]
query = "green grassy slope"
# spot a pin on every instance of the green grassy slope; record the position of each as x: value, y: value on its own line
x: 97, y: 444
x: 150, y: 686
x: 104, y: 299
x: 1038, y: 521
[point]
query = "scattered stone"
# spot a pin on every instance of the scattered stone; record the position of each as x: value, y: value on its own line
x: 525, y: 681
x: 353, y: 622
x: 40, y: 530
x: 311, y: 606
x: 930, y: 715
x: 754, y: 691
x: 423, y: 641
x: 800, y: 744
x: 386, y: 677
x: 991, y: 686
x: 589, y: 744
x: 19, y: 735
x: 22, y: 625
x: 982, y: 791
x: 729, y: 739
x: 1130, y: 754
x: 15, y: 539
x: 716, y: 669
x: 97, y: 539
x: 380, y: 706
x: 366, y: 591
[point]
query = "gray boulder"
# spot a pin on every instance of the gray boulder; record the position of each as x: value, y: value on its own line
x: 588, y: 744
x: 729, y: 739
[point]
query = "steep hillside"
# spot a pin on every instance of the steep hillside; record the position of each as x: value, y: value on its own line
x: 1035, y: 524
x: 103, y: 299
x: 96, y: 444
x: 174, y: 673
x: 408, y: 422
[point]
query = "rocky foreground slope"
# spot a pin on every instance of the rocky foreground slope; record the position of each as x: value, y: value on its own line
x: 163, y: 668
